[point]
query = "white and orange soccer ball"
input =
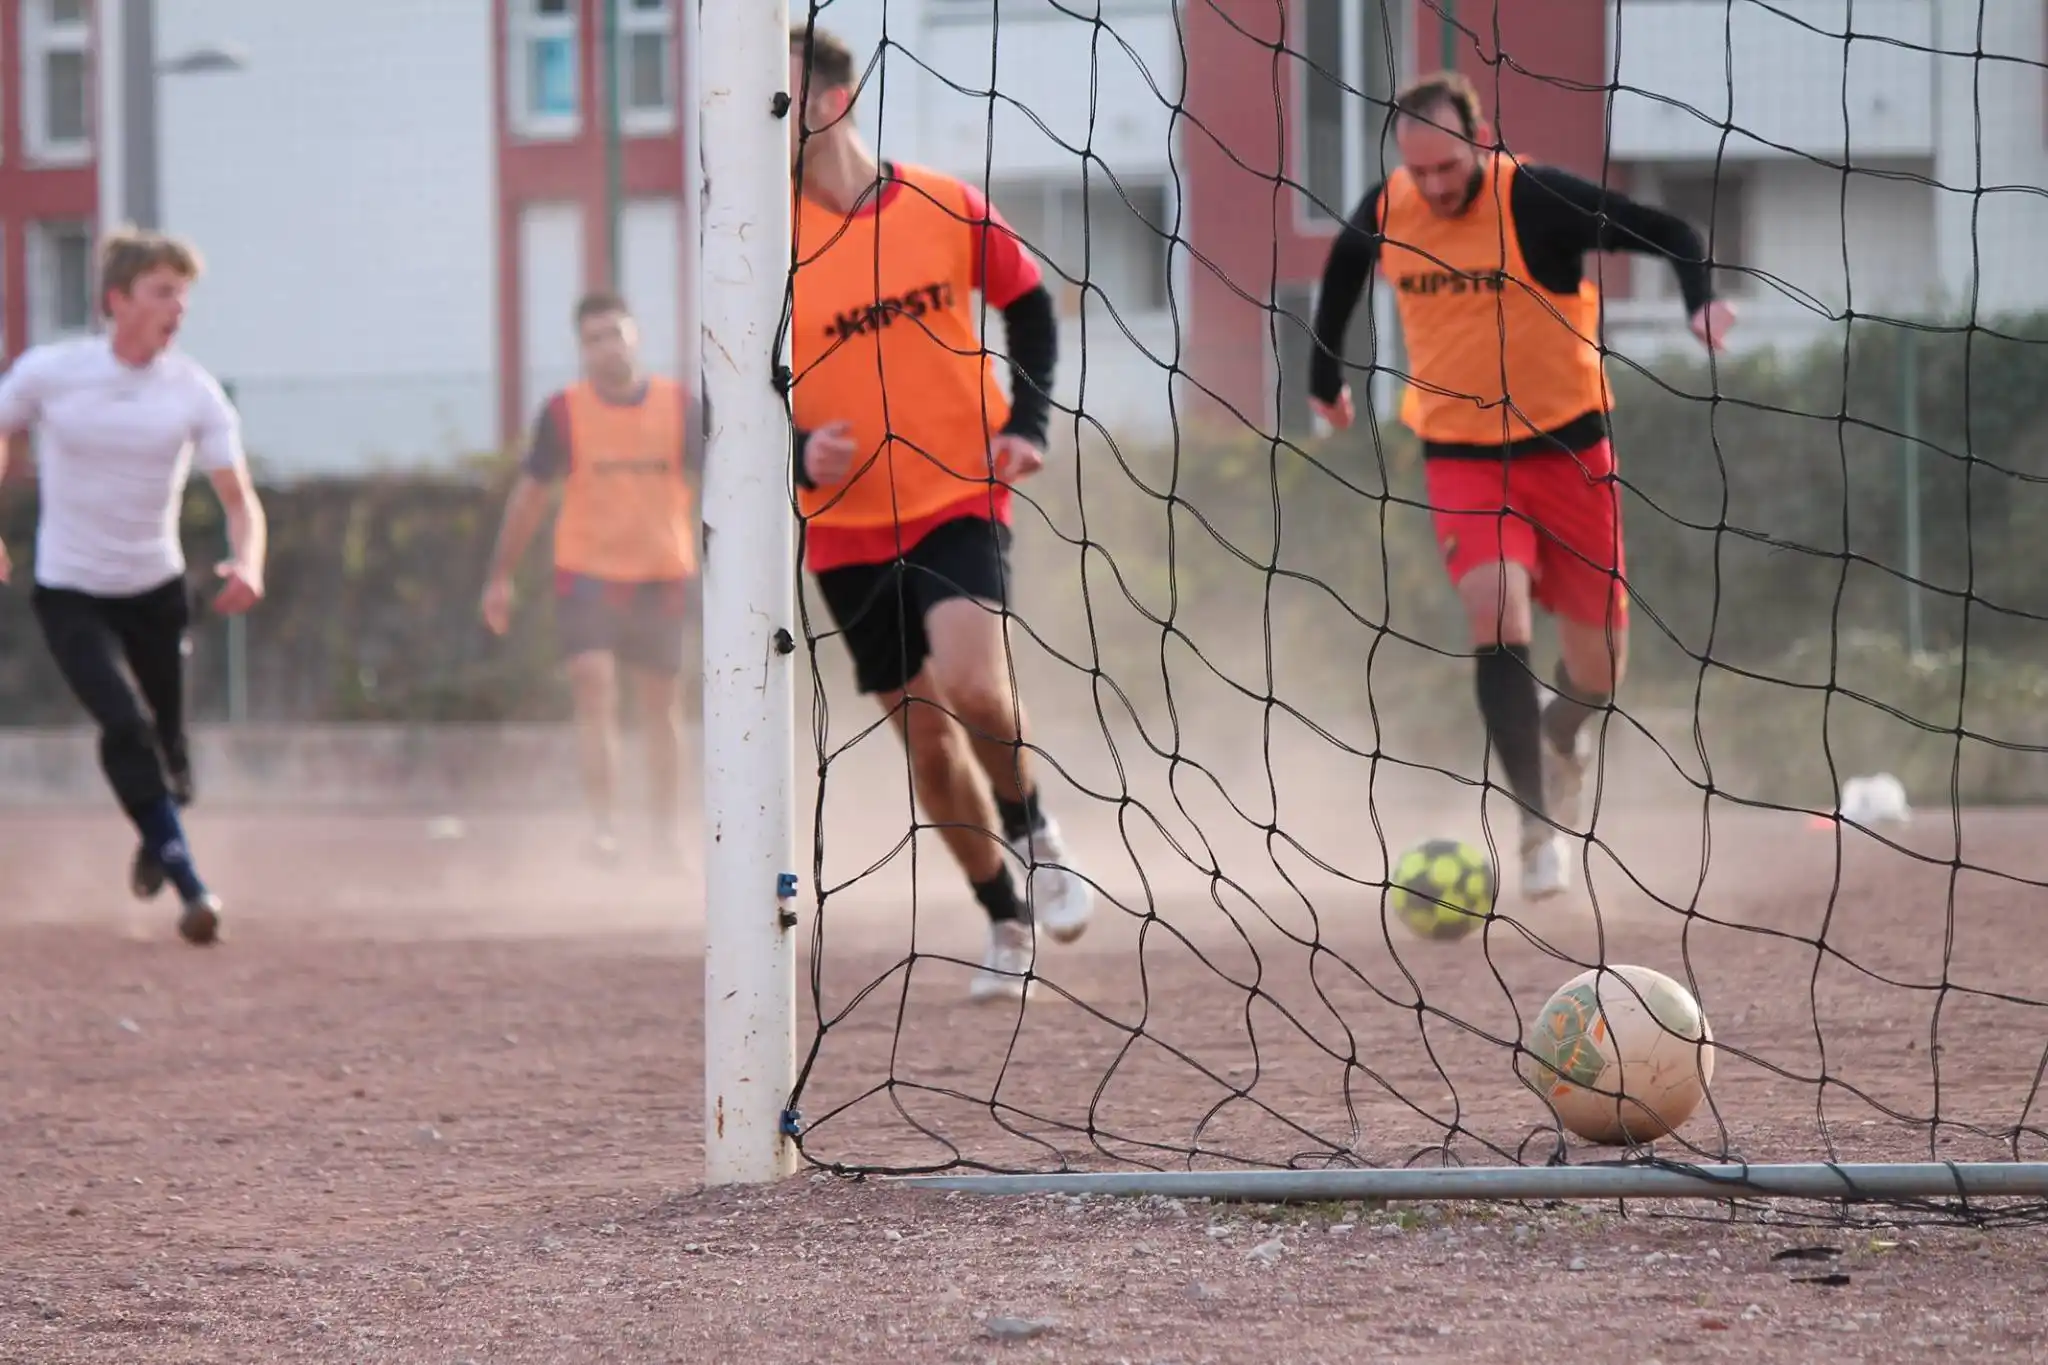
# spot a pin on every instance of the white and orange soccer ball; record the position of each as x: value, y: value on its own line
x: 1623, y: 1055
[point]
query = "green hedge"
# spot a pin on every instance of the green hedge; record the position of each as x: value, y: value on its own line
x: 372, y: 610
x: 1765, y: 505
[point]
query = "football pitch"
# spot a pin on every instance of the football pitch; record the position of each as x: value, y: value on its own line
x: 439, y: 1099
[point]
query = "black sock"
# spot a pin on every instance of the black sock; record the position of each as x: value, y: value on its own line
x: 164, y: 836
x: 1514, y: 722
x: 998, y: 896
x: 1569, y: 710
x: 1019, y: 817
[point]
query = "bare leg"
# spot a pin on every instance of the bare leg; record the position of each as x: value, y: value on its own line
x: 1594, y: 658
x: 970, y: 665
x: 657, y: 698
x: 970, y: 668
x: 947, y: 784
x: 593, y: 682
x: 944, y: 780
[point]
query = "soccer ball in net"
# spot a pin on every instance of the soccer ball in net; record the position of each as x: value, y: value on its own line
x: 1623, y: 1055
x: 1442, y: 889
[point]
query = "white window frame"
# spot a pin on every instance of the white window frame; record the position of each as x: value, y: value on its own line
x: 41, y: 38
x: 1060, y: 203
x: 45, y: 320
x: 1650, y: 278
x: 525, y: 26
x: 637, y: 22
x: 1364, y: 121
x: 1285, y: 296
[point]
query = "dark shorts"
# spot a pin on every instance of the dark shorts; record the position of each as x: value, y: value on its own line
x: 642, y: 625
x: 880, y: 608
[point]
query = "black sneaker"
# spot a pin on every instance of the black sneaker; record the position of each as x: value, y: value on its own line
x: 146, y: 876
x: 199, y: 925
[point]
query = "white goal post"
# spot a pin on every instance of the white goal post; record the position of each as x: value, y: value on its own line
x: 737, y: 222
x: 749, y: 568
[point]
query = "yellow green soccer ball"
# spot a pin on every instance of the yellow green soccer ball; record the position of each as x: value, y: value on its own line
x: 1442, y: 889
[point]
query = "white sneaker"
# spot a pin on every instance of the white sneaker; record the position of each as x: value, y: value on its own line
x: 1546, y: 862
x: 1060, y: 899
x: 1564, y: 779
x: 1005, y: 969
x: 602, y: 847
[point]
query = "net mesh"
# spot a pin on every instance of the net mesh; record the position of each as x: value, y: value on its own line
x: 1245, y: 685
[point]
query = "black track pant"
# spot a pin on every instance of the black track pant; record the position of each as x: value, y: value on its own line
x: 124, y: 658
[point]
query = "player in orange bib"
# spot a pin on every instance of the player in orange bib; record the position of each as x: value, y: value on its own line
x: 627, y: 450
x: 906, y: 450
x: 1509, y: 394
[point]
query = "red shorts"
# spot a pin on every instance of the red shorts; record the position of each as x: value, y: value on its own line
x: 1558, y: 516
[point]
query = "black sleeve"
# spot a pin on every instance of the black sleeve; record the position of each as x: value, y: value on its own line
x: 547, y: 450
x: 1349, y: 268
x: 1560, y: 217
x: 797, y: 437
x: 1031, y: 331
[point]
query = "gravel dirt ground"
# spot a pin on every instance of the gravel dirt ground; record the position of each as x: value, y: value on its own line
x: 438, y: 1100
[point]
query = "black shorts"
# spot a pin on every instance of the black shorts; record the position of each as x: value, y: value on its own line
x: 642, y: 625
x: 880, y: 608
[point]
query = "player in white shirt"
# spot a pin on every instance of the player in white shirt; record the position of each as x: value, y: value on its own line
x: 122, y: 420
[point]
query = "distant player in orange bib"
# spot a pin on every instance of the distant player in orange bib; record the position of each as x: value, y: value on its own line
x: 626, y: 448
x: 906, y: 451
x: 1509, y: 394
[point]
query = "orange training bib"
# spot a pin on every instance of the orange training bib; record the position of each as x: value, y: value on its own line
x: 1493, y: 357
x: 626, y: 505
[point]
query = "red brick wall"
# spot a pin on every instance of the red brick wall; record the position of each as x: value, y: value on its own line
x: 571, y: 169
x: 1240, y: 219
x: 29, y: 193
x: 1245, y: 229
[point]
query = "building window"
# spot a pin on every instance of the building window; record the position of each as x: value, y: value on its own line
x: 543, y: 88
x: 1716, y: 203
x: 1116, y: 240
x: 646, y: 67
x: 1347, y: 59
x: 60, y: 280
x: 56, y: 80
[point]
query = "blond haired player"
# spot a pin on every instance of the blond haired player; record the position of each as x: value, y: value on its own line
x: 906, y: 451
x: 626, y: 448
x: 123, y: 419
x: 1509, y: 395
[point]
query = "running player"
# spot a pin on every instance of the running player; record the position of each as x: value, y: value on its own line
x: 906, y: 451
x: 122, y: 419
x: 1510, y: 398
x: 627, y: 449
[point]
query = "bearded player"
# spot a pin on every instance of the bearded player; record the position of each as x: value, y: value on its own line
x: 123, y: 418
x: 626, y: 448
x: 905, y: 453
x: 1509, y: 396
